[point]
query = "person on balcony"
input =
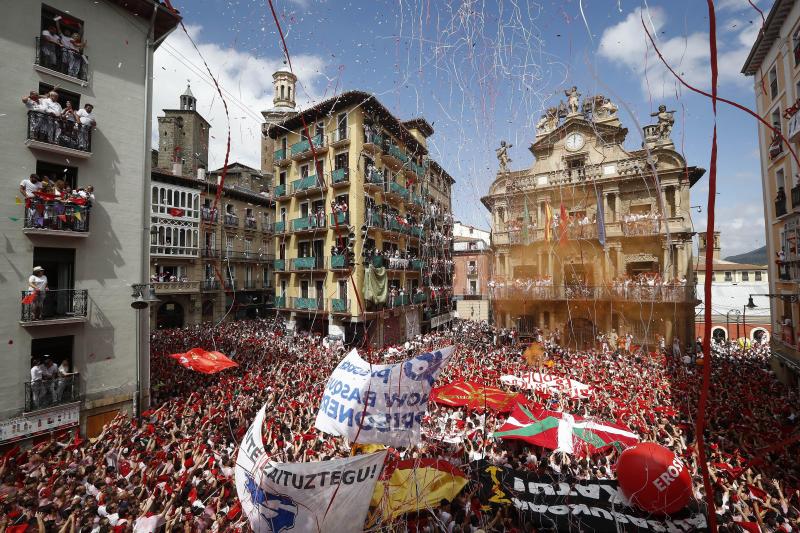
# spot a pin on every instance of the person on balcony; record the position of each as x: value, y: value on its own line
x: 50, y: 47
x: 50, y: 122
x: 72, y: 53
x: 49, y: 375
x: 87, y: 120
x: 36, y: 383
x: 36, y: 123
x: 37, y: 284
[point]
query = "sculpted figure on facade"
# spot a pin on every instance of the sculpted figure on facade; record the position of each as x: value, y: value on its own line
x: 573, y: 100
x: 666, y: 119
x: 502, y: 155
x: 606, y: 109
x: 548, y: 122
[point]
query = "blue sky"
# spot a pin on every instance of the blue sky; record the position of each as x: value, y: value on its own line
x: 482, y: 71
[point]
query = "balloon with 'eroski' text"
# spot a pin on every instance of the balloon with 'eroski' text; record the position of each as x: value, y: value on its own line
x: 654, y: 478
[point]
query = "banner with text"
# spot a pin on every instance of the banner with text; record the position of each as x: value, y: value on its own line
x: 318, y: 496
x: 548, y: 384
x: 379, y: 403
x: 590, y: 506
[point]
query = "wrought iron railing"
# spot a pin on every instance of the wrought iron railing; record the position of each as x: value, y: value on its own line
x: 304, y: 146
x: 59, y: 131
x: 250, y: 223
x: 632, y: 292
x: 55, y: 57
x: 340, y: 175
x: 55, y: 304
x: 337, y: 262
x: 56, y: 215
x: 210, y: 285
x: 307, y: 263
x: 310, y: 222
x: 45, y: 393
x: 339, y: 305
x: 231, y: 220
x: 309, y: 183
x: 307, y: 304
x: 208, y: 215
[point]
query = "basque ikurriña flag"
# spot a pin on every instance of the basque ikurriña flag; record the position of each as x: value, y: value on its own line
x: 564, y: 432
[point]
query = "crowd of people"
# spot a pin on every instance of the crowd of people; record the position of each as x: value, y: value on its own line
x: 649, y: 286
x: 52, y: 204
x: 62, y: 49
x: 50, y: 122
x: 174, y: 466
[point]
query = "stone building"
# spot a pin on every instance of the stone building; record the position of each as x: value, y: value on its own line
x: 362, y: 221
x: 91, y: 254
x: 472, y: 261
x: 774, y: 63
x: 592, y: 236
x: 210, y: 257
x: 183, y: 138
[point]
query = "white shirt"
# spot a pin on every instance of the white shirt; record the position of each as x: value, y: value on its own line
x: 147, y: 524
x: 40, y: 282
x: 85, y: 117
x: 36, y: 373
x: 30, y: 187
x: 51, y: 38
x: 51, y: 106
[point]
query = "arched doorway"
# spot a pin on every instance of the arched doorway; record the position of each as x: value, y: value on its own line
x: 719, y: 334
x: 170, y: 315
x: 580, y: 333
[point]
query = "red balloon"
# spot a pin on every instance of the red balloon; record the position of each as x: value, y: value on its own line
x: 654, y: 478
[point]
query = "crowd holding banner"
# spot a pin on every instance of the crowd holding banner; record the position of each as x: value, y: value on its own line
x: 176, y: 467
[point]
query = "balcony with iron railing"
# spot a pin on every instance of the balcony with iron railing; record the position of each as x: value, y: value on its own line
x: 394, y: 156
x: 340, y: 176
x: 302, y: 149
x: 780, y: 206
x: 341, y: 218
x: 47, y: 393
x: 51, y: 307
x: 279, y: 265
x: 210, y: 252
x: 634, y: 293
x: 307, y: 304
x: 307, y: 185
x: 52, y: 58
x: 644, y: 226
x: 399, y: 300
x: 311, y: 222
x: 299, y: 264
x: 337, y: 262
x: 175, y: 287
x: 795, y: 196
x: 279, y: 156
x: 59, y: 135
x: 250, y: 285
x: 250, y: 223
x: 279, y: 190
x: 472, y: 270
x: 374, y: 142
x: 238, y: 255
x: 229, y: 284
x: 580, y: 231
x: 210, y: 285
x: 280, y: 302
x: 374, y: 178
x: 208, y: 215
x: 396, y: 190
x: 278, y: 227
x: 54, y: 217
x: 339, y: 305
x: 420, y: 298
x: 231, y: 220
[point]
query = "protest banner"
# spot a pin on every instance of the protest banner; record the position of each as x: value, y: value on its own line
x: 590, y: 506
x: 316, y: 496
x: 381, y: 404
x: 548, y: 384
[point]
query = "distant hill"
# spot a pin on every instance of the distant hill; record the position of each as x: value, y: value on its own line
x: 753, y: 257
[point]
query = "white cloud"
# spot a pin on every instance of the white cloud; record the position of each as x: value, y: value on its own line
x: 741, y: 226
x: 737, y: 5
x: 627, y: 44
x: 246, y: 81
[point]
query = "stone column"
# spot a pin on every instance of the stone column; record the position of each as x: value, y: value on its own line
x: 617, y: 207
x: 666, y: 266
x: 605, y: 207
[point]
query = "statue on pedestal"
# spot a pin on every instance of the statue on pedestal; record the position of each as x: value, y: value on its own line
x: 548, y: 122
x: 666, y: 119
x: 573, y: 100
x: 502, y: 156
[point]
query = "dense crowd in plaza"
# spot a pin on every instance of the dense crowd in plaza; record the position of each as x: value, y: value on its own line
x: 175, y: 466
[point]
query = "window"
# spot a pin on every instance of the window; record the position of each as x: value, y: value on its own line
x: 745, y: 275
x: 796, y: 47
x: 283, y: 287
x: 304, y: 289
x: 340, y: 161
x: 728, y: 276
x: 713, y: 276
x: 69, y: 175
x: 304, y: 171
x: 248, y: 246
x: 473, y: 287
x: 773, y: 82
x: 780, y: 179
x: 776, y: 119
x: 758, y: 275
x: 50, y: 54
x: 64, y: 96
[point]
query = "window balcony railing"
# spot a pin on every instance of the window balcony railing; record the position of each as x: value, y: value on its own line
x: 210, y: 252
x: 279, y: 265
x: 208, y: 215
x: 307, y: 263
x: 795, y: 196
x: 417, y: 264
x: 338, y: 262
x: 638, y: 292
x: 310, y: 222
x: 231, y: 220
x: 307, y: 304
x: 374, y: 177
x: 396, y: 188
x: 175, y: 287
x: 397, y: 263
x: 279, y: 227
x: 780, y: 207
x: 399, y: 300
x: 309, y: 183
x: 250, y: 223
x: 54, y: 305
x: 340, y: 218
x: 340, y: 175
x: 280, y: 302
x: 417, y: 232
x: 340, y: 135
x: 304, y: 146
x: 49, y: 130
x: 472, y: 270
x: 374, y: 138
x: 229, y: 284
x: 210, y: 285
x: 46, y: 393
x: 55, y: 57
x: 250, y: 285
x: 420, y: 298
x: 279, y: 155
x: 374, y: 220
x: 280, y: 190
x: 45, y: 215
x: 339, y: 305
x: 586, y: 231
x: 397, y: 153
x: 633, y: 228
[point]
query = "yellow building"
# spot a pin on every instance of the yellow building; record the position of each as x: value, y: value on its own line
x: 774, y: 63
x: 589, y: 238
x: 362, y: 201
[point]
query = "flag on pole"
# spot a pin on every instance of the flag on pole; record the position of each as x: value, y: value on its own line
x: 562, y: 225
x: 548, y: 222
x: 202, y: 361
x: 525, y: 223
x: 601, y: 219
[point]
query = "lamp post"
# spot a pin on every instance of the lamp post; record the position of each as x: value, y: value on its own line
x: 728, y: 321
x: 749, y: 305
x: 140, y: 302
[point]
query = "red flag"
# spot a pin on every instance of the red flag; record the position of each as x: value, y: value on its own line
x: 476, y: 396
x: 757, y: 493
x: 192, y: 495
x: 62, y: 218
x: 562, y: 223
x: 30, y: 298
x: 175, y: 211
x: 235, y: 510
x: 203, y: 361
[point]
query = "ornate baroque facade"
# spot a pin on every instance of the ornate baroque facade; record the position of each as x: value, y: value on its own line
x: 593, y: 237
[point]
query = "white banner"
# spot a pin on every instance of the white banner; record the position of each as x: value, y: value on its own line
x: 381, y: 404
x: 315, y: 497
x: 549, y: 384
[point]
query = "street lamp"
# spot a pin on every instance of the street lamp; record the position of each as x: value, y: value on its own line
x: 749, y: 305
x: 140, y: 302
x: 728, y: 322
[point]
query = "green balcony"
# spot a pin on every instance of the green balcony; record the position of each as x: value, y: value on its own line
x: 374, y: 176
x: 280, y: 302
x: 377, y: 261
x: 374, y: 138
x: 279, y: 265
x: 304, y: 263
x: 338, y: 261
x: 416, y: 231
x: 396, y: 152
x: 340, y: 218
x: 394, y: 225
x: 398, y: 189
x: 419, y: 170
x: 375, y: 220
x: 307, y: 222
x: 420, y: 298
x: 417, y: 264
x: 280, y: 190
x: 279, y: 227
x: 400, y: 300
x: 339, y: 305
x: 306, y: 303
x: 416, y: 199
x: 305, y: 184
x: 305, y: 146
x: 279, y: 155
x: 340, y: 175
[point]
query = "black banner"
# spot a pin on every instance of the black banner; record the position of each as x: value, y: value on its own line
x: 587, y: 506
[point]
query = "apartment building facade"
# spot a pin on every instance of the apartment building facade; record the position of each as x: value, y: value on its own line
x: 362, y: 221
x: 211, y: 250
x: 590, y: 238
x: 774, y: 64
x: 91, y: 249
x: 472, y: 265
